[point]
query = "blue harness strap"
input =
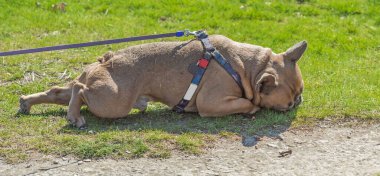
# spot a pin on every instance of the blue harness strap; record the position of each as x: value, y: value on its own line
x: 211, y: 52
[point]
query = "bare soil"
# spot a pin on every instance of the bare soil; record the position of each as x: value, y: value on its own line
x: 320, y: 150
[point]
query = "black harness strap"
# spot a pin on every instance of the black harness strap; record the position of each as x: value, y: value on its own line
x: 228, y: 67
x: 211, y: 52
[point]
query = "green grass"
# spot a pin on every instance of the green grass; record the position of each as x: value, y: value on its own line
x: 340, y: 69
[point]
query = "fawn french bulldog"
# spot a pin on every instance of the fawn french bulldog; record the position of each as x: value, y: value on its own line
x: 131, y: 77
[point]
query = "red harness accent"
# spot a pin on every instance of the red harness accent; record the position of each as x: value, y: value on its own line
x: 202, y: 63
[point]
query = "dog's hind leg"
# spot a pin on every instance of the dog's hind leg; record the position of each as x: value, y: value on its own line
x: 141, y: 103
x: 76, y: 102
x: 56, y: 95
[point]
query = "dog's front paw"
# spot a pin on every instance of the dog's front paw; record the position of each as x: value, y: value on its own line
x: 254, y: 110
x: 24, y: 106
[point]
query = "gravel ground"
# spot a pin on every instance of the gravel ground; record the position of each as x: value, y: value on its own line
x: 321, y: 150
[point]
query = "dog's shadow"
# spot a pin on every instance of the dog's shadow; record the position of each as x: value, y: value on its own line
x: 267, y: 123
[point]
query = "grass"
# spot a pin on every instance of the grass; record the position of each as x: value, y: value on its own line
x: 340, y: 69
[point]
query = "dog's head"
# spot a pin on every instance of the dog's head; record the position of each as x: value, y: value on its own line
x: 280, y: 85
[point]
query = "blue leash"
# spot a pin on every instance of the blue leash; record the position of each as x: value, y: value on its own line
x: 104, y: 42
x: 202, y: 63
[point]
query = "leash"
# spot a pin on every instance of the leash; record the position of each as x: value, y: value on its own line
x: 95, y: 43
x: 210, y: 53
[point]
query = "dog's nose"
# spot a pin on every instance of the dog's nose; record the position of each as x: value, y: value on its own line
x: 290, y: 105
x: 298, y: 100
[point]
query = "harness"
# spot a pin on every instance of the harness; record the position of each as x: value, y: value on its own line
x: 202, y: 64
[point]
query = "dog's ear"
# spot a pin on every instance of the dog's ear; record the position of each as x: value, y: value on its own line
x: 266, y: 83
x: 295, y: 52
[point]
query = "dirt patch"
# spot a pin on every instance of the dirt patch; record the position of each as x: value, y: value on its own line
x: 322, y: 150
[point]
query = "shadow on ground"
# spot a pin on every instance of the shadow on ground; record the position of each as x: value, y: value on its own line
x: 267, y: 123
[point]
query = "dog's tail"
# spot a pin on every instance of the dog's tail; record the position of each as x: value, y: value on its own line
x: 105, y: 57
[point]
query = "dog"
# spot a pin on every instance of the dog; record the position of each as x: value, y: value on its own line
x: 131, y: 77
